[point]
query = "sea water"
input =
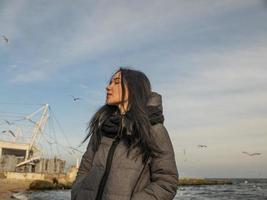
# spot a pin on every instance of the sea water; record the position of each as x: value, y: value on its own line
x: 241, y: 189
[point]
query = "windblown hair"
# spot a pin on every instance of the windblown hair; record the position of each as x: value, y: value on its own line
x: 139, y: 91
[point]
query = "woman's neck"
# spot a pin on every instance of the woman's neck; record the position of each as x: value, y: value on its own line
x: 123, y: 107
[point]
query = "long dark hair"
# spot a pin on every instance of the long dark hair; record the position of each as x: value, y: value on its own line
x: 139, y: 91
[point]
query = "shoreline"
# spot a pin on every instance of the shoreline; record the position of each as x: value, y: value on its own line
x: 203, y: 181
x: 10, y: 186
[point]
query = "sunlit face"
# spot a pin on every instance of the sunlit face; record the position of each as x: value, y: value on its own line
x: 114, y: 91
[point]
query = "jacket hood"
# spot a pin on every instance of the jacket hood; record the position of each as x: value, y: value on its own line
x: 155, y: 109
x: 155, y: 100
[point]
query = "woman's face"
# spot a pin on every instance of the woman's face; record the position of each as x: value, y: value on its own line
x: 114, y: 91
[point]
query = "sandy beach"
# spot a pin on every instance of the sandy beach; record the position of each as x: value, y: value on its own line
x: 7, y: 187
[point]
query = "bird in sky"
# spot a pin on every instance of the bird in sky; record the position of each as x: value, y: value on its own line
x: 201, y: 146
x: 251, y: 154
x: 75, y: 149
x: 5, y: 39
x: 50, y: 142
x: 75, y: 98
x: 8, y: 122
x: 10, y: 132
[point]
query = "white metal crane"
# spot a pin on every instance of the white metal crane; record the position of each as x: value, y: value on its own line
x: 36, y: 133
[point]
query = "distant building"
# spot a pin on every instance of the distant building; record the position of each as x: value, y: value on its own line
x: 12, y: 158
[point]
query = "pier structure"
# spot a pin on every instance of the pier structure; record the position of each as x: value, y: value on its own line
x: 27, y: 157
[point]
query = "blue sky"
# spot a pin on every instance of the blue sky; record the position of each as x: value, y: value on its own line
x: 207, y: 59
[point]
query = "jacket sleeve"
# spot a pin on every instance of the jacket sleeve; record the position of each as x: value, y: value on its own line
x: 164, y: 174
x: 84, y: 168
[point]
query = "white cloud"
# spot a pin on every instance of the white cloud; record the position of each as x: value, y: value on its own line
x: 219, y: 100
x: 222, y: 103
x: 10, y: 10
x: 31, y: 76
x: 101, y: 28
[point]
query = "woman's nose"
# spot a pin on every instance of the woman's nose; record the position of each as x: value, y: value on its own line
x: 108, y: 88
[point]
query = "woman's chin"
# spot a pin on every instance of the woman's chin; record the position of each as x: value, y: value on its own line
x: 111, y: 103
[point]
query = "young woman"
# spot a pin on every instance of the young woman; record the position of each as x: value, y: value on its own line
x: 129, y: 155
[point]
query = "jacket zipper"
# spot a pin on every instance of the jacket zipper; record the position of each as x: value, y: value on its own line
x: 108, y: 164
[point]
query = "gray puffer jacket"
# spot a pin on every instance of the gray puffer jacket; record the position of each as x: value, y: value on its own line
x: 129, y: 179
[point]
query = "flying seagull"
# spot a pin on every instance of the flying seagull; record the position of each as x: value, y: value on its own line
x: 10, y: 132
x: 5, y: 38
x: 201, y: 145
x: 75, y: 98
x: 8, y: 122
x: 251, y: 154
x: 75, y: 149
